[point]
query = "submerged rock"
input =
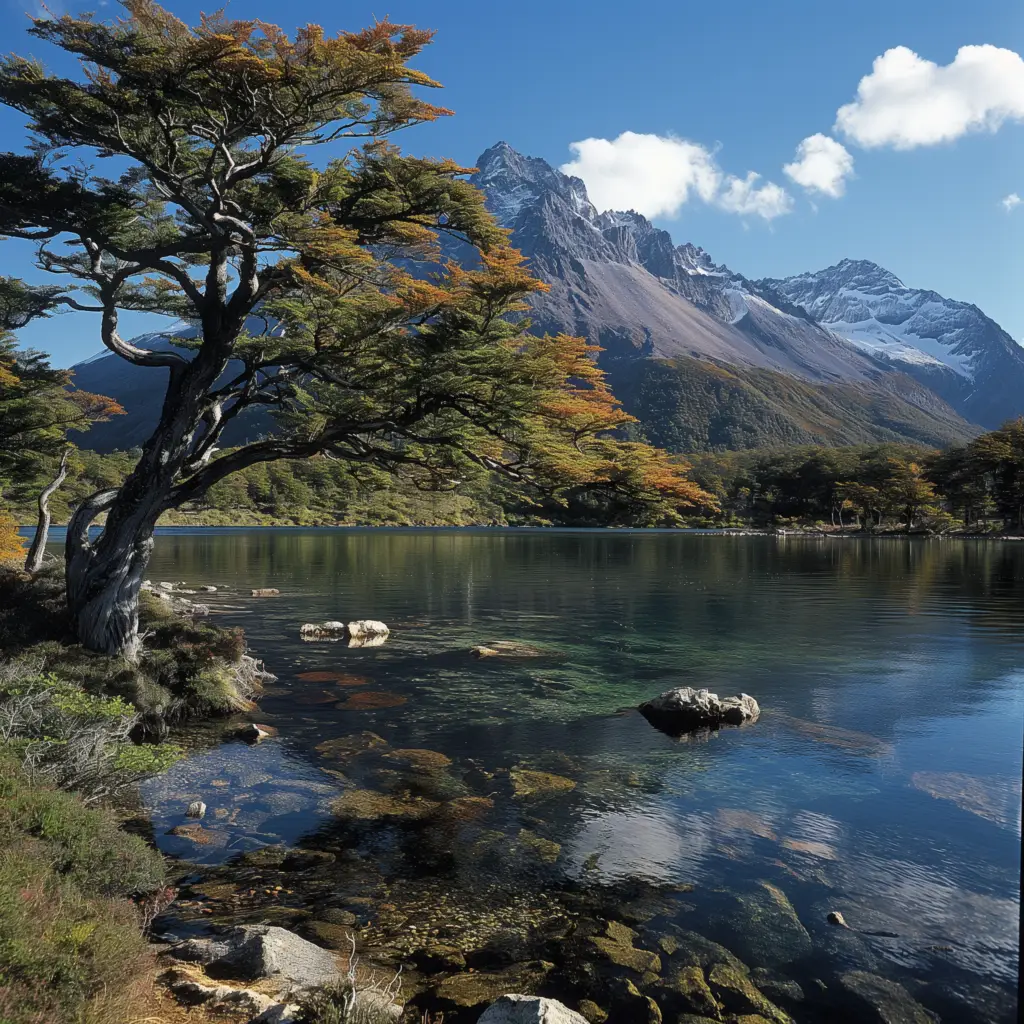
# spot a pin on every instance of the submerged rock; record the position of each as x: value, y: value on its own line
x: 345, y: 747
x: 369, y: 805
x: 763, y: 927
x: 507, y: 649
x: 517, y: 1009
x: 529, y: 783
x: 881, y: 1001
x: 616, y: 946
x: 254, y: 733
x: 266, y: 592
x: 685, y: 709
x: 471, y: 989
x: 737, y: 994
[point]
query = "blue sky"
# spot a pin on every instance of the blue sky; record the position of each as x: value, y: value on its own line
x: 699, y: 93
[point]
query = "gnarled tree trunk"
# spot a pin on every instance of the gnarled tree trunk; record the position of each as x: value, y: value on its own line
x: 34, y: 561
x: 104, y: 576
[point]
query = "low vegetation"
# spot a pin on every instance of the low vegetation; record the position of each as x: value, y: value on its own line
x: 74, y: 890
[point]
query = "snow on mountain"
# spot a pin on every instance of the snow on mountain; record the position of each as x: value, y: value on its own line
x: 952, y: 345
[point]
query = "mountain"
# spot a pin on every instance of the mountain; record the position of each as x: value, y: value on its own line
x: 950, y: 346
x: 141, y: 389
x: 704, y: 357
x: 621, y: 282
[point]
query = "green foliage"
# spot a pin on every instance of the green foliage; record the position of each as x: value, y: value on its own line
x: 71, y: 951
x: 76, y: 739
x: 971, y: 486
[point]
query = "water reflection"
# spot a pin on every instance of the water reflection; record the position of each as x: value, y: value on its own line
x: 882, y: 780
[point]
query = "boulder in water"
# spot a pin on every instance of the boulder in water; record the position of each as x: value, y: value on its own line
x: 266, y: 592
x: 685, y: 709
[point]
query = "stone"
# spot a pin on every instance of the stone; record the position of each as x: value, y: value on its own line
x: 219, y: 998
x: 266, y: 592
x: 777, y: 987
x: 279, y: 1013
x: 366, y: 629
x: 344, y: 747
x: 333, y: 936
x: 695, y: 950
x: 737, y: 994
x: 273, y: 954
x: 471, y: 989
x: 165, y: 586
x: 517, y: 1009
x: 685, y: 709
x: 198, y: 834
x: 253, y: 733
x: 545, y: 850
x: 507, y: 649
x: 762, y: 927
x: 691, y: 987
x: 421, y: 760
x: 529, y: 783
x: 881, y: 1001
x: 207, y: 589
x: 369, y: 805
x: 593, y: 1013
x: 616, y: 946
x: 836, y: 918
x: 196, y: 809
x: 322, y: 630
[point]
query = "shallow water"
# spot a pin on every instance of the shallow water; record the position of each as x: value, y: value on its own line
x: 883, y: 779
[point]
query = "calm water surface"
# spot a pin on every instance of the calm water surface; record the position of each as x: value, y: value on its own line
x: 883, y: 779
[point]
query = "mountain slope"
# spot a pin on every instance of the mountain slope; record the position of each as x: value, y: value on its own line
x: 950, y: 346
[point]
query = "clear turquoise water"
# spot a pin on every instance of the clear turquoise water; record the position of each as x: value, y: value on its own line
x: 882, y: 779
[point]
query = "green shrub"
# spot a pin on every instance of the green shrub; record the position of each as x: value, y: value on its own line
x: 71, y: 949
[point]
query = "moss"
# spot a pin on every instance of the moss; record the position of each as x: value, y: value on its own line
x: 369, y: 805
x: 528, y: 783
x: 737, y: 994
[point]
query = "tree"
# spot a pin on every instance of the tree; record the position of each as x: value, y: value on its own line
x: 313, y: 278
x: 37, y: 408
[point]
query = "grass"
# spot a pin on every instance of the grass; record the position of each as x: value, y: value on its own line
x: 188, y: 668
x: 73, y: 888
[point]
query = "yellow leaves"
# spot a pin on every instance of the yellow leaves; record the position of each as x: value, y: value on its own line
x: 12, y: 546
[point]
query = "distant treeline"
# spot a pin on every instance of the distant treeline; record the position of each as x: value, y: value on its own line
x: 975, y: 487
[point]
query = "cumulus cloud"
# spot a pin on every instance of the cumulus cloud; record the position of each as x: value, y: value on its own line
x: 821, y: 165
x: 908, y: 101
x: 657, y: 175
x: 742, y: 195
x: 1010, y: 202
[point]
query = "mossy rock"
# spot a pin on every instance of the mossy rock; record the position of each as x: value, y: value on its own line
x: 466, y: 808
x: 421, y: 760
x: 622, y: 954
x: 763, y: 927
x: 545, y: 850
x: 332, y: 936
x: 734, y: 990
x: 594, y: 1013
x: 688, y: 990
x: 528, y: 783
x: 881, y: 1001
x: 477, y: 988
x: 369, y: 805
x: 344, y: 747
x: 695, y: 950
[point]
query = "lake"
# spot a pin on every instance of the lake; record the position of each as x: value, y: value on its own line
x: 500, y: 797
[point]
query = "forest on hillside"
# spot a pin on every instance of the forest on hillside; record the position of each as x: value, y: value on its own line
x: 977, y: 487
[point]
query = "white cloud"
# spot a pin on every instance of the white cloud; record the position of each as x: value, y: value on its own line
x: 657, y: 175
x: 908, y: 101
x: 739, y: 195
x: 821, y: 165
x: 1011, y: 201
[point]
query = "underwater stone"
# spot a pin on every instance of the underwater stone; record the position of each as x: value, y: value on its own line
x: 882, y: 1001
x: 737, y: 993
x: 196, y: 809
x: 527, y: 783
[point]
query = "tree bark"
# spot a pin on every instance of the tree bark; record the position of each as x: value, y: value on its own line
x: 34, y: 561
x: 104, y: 576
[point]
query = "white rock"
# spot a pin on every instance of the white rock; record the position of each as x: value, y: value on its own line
x: 363, y: 628
x: 166, y: 586
x: 516, y: 1009
x: 685, y: 708
x: 196, y: 809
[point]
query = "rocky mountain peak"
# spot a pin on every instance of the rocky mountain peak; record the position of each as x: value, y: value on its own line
x: 513, y: 182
